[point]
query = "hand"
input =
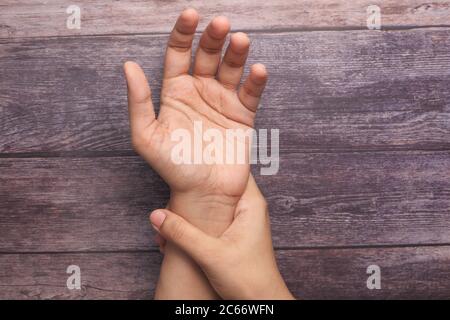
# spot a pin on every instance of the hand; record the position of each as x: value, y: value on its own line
x: 206, y: 195
x: 210, y: 95
x: 240, y: 264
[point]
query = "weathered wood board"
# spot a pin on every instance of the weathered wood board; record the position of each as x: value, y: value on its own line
x: 37, y: 18
x: 364, y: 120
x: 353, y: 90
x: 310, y: 274
x: 348, y: 199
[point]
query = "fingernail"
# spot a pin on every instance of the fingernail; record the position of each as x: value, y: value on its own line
x: 157, y: 218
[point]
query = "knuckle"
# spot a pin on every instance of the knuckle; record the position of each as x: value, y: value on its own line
x: 251, y: 91
x: 180, y: 42
x: 234, y: 64
x: 179, y: 46
x: 228, y: 84
x: 210, y: 50
x: 177, y: 230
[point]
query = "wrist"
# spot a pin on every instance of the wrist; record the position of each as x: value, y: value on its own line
x: 273, y: 289
x: 211, y: 213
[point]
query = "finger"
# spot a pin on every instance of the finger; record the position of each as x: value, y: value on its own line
x: 179, y: 48
x: 209, y: 50
x: 232, y: 67
x: 250, y: 92
x: 161, y: 242
x: 140, y: 106
x: 190, y: 239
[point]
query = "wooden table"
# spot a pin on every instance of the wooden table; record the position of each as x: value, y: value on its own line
x: 364, y: 120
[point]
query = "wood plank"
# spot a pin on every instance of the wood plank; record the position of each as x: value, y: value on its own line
x: 354, y: 90
x: 406, y: 273
x: 348, y: 199
x: 31, y: 18
x: 414, y: 273
x: 103, y: 275
x: 78, y: 204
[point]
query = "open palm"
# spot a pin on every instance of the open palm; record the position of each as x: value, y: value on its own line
x: 210, y: 96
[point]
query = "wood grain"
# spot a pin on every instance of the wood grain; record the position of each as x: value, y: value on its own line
x: 103, y: 275
x: 310, y: 274
x: 364, y: 118
x: 31, y: 18
x: 348, y: 199
x: 406, y: 273
x: 353, y: 90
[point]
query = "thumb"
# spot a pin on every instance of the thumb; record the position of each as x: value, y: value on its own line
x: 140, y: 106
x: 189, y: 238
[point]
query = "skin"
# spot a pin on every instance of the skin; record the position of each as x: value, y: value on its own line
x: 240, y: 264
x: 206, y: 195
x: 210, y: 95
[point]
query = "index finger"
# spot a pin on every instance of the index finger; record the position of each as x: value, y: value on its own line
x: 179, y: 47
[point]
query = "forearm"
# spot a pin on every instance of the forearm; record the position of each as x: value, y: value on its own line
x: 180, y: 277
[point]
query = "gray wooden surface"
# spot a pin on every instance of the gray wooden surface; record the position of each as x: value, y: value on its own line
x: 316, y: 199
x: 31, y: 18
x: 313, y: 273
x: 347, y: 90
x: 364, y: 119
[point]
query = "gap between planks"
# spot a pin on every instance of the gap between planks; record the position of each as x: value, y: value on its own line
x: 130, y: 153
x: 298, y: 248
x: 6, y: 40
